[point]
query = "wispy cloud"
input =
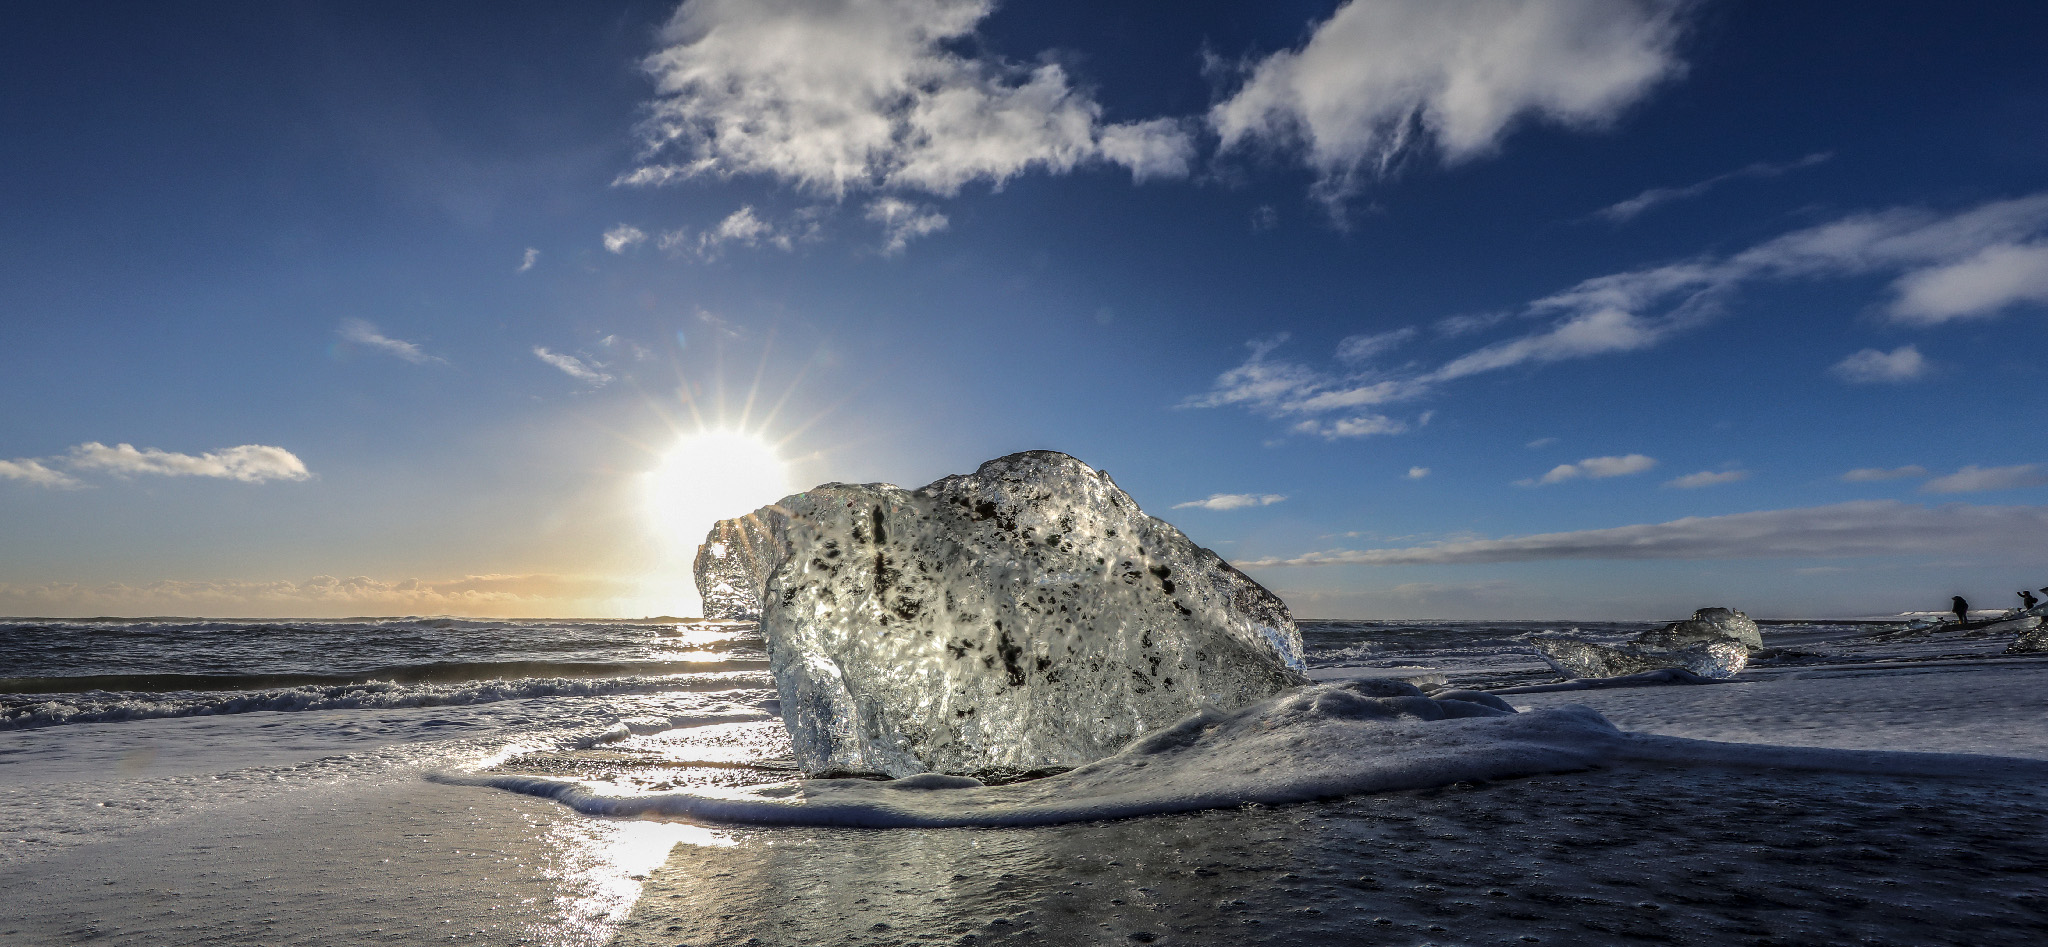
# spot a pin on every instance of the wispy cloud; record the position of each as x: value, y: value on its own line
x: 465, y: 595
x: 249, y: 463
x: 1381, y: 79
x: 30, y: 470
x: 1280, y: 387
x: 366, y: 335
x: 1630, y: 209
x: 1877, y: 474
x: 1864, y: 528
x: 1871, y: 366
x: 1231, y: 501
x: 1707, y: 478
x: 1971, y: 263
x: 528, y: 259
x: 1364, y: 348
x: 590, y: 372
x: 1541, y: 442
x: 1975, y: 479
x: 882, y: 95
x: 903, y: 222
x: 1593, y: 468
x: 1417, y: 473
x: 623, y: 237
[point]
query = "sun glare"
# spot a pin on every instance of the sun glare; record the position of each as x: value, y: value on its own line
x: 705, y: 478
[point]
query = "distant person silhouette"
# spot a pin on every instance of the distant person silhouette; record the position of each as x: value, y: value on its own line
x: 1961, y: 608
x: 2027, y: 599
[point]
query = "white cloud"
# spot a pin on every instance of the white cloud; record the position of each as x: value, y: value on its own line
x: 528, y: 259
x: 1541, y: 442
x: 367, y: 336
x: 1969, y: 263
x: 1381, y: 78
x: 1988, y: 281
x: 1278, y: 388
x: 30, y: 470
x: 249, y: 463
x: 1364, y: 348
x: 1595, y: 468
x: 622, y: 237
x: 1864, y: 528
x: 1871, y: 366
x: 590, y: 372
x: 1707, y: 478
x: 1417, y: 473
x: 1628, y: 210
x: 1231, y: 501
x: 1362, y: 425
x: 872, y: 94
x: 1876, y: 474
x: 1974, y: 479
x: 903, y: 221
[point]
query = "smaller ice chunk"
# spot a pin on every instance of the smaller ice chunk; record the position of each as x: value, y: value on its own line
x: 1705, y: 625
x: 735, y: 561
x: 1584, y: 659
x: 2031, y: 641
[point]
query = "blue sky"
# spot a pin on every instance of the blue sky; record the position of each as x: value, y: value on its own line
x: 1587, y: 309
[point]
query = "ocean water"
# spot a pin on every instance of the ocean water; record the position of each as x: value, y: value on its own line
x: 571, y: 782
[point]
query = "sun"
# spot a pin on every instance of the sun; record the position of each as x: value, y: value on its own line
x: 711, y: 476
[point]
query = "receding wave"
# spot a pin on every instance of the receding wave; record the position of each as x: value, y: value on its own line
x: 21, y: 713
x: 437, y: 673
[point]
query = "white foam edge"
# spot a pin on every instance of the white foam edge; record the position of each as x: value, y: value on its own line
x: 1315, y: 742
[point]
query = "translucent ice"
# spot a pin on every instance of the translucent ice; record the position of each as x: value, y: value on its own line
x: 1025, y: 616
x: 1705, y: 625
x: 2032, y: 640
x: 1584, y: 659
x: 733, y: 565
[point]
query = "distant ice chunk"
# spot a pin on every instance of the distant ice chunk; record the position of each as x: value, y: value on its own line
x: 2033, y: 640
x: 1713, y: 643
x: 1584, y: 659
x: 1025, y: 616
x: 1705, y: 625
x: 734, y: 563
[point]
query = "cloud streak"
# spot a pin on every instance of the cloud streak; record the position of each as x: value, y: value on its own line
x: 1593, y: 468
x: 1872, y: 367
x: 30, y: 470
x: 591, y: 372
x: 366, y: 335
x: 1843, y: 530
x: 1707, y: 478
x: 249, y: 463
x: 1625, y: 211
x: 1231, y: 501
x: 1975, y: 479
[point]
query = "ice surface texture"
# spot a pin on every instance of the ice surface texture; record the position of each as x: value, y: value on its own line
x: 1584, y: 659
x: 2031, y: 641
x: 1024, y: 616
x: 1705, y: 625
x: 734, y: 563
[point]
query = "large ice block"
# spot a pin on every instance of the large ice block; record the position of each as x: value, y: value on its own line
x: 1027, y: 615
x: 1584, y: 659
x: 1705, y: 625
